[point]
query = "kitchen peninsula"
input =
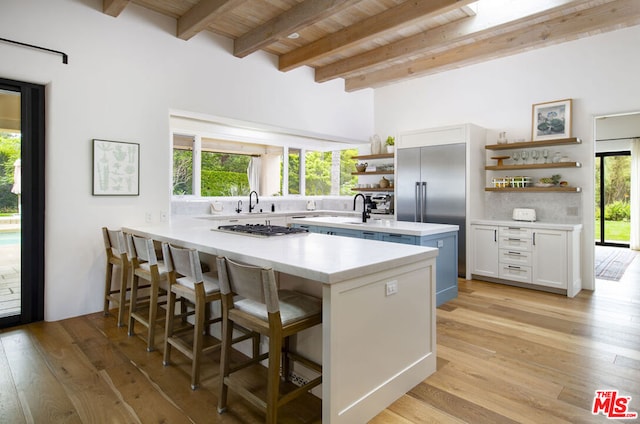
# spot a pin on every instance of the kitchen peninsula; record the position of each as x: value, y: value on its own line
x: 377, y: 339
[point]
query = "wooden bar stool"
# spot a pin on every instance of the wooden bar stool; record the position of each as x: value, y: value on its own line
x: 145, y: 265
x: 188, y: 282
x: 251, y: 299
x: 116, y: 249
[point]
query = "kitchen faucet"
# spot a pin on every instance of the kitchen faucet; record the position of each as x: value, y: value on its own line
x: 365, y: 212
x: 251, y: 206
x: 239, y: 207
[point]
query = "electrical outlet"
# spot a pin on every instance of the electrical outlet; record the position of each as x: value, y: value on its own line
x: 572, y: 211
x: 148, y: 216
x: 163, y: 216
x: 391, y: 287
x: 440, y: 243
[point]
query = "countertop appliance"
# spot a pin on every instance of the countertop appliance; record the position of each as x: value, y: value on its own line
x: 261, y: 230
x: 382, y: 204
x: 524, y: 214
x: 430, y: 187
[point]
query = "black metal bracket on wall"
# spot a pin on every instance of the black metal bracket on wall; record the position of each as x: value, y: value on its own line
x: 65, y: 57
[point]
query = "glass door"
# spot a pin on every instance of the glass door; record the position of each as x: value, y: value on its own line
x: 10, y: 203
x: 21, y: 203
x: 613, y: 205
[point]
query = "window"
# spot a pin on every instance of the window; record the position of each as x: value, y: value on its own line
x: 207, y: 167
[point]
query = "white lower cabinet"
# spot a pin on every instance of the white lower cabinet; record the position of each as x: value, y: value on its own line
x: 485, y: 250
x: 534, y: 256
x: 550, y: 258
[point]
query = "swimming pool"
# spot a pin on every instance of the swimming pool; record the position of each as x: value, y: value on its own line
x: 9, y: 238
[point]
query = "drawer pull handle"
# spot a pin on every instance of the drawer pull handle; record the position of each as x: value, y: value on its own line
x: 514, y: 253
x: 513, y: 267
x: 515, y: 239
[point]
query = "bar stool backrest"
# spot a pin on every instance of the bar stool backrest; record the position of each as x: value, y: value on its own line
x: 114, y: 240
x: 142, y: 249
x: 184, y: 262
x: 251, y: 282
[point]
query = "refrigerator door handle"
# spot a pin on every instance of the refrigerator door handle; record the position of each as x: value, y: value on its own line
x: 423, y: 214
x: 418, y: 202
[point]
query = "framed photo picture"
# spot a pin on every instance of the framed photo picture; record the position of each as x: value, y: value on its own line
x: 551, y: 120
x: 116, y: 168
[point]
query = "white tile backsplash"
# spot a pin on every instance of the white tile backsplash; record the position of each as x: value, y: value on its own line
x: 561, y: 208
x: 228, y: 205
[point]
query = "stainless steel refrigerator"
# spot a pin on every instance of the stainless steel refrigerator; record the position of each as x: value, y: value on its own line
x: 430, y: 187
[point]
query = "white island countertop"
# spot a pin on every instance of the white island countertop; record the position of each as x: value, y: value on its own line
x: 317, y: 257
x: 378, y: 225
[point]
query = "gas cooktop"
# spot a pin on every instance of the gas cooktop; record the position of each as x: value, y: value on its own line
x: 261, y: 230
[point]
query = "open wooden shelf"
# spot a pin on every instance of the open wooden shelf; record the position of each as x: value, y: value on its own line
x: 373, y: 173
x: 380, y: 156
x: 533, y: 166
x: 565, y: 189
x: 534, y: 144
x: 388, y: 189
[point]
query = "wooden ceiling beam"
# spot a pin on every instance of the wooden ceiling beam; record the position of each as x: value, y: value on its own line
x: 203, y: 14
x: 606, y: 17
x: 367, y: 29
x: 521, y: 14
x: 114, y: 7
x: 303, y: 14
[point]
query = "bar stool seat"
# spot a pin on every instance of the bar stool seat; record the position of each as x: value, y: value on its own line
x: 251, y: 299
x: 146, y: 266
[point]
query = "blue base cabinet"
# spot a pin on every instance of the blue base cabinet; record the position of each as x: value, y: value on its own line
x: 446, y: 262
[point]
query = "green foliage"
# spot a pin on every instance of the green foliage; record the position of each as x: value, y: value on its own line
x: 318, y: 173
x: 182, y: 172
x: 223, y: 183
x: 294, y: 172
x: 347, y: 165
x: 9, y: 152
x: 614, y: 230
x: 617, y: 211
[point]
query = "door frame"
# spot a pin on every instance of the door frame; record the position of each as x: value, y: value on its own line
x: 32, y: 123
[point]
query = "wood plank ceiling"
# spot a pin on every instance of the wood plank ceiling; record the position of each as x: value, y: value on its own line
x: 372, y: 43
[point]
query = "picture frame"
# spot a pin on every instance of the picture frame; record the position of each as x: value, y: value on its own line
x: 116, y: 168
x: 551, y: 120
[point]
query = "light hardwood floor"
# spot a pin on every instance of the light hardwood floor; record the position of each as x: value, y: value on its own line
x: 505, y: 355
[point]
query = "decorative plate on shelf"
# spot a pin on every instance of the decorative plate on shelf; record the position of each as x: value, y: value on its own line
x: 543, y: 185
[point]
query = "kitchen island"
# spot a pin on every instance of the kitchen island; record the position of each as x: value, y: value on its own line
x: 377, y: 339
x: 442, y: 236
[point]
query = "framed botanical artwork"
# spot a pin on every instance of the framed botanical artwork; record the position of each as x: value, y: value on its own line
x: 116, y: 168
x: 551, y: 120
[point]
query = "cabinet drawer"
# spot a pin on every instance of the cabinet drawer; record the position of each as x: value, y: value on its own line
x: 515, y: 232
x: 515, y: 273
x: 399, y: 238
x: 515, y: 243
x: 515, y: 257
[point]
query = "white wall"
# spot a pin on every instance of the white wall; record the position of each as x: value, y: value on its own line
x: 599, y: 73
x: 124, y: 76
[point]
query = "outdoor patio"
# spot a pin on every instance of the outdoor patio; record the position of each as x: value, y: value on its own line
x: 9, y: 266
